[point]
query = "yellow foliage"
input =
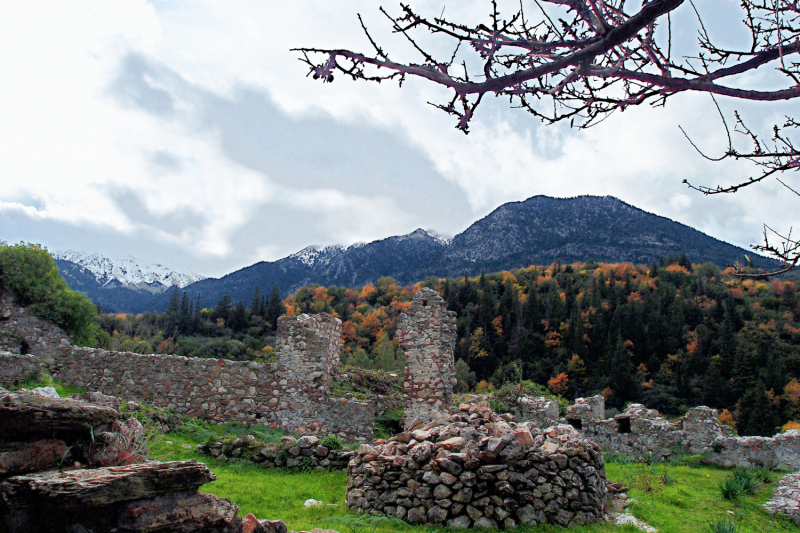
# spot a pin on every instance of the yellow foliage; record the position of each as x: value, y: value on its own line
x: 484, y: 386
x: 726, y: 418
x: 791, y: 424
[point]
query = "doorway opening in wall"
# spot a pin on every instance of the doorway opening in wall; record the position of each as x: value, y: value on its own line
x: 24, y: 347
x: 624, y: 425
x: 577, y: 423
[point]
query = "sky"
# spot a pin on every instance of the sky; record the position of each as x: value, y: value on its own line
x: 187, y: 133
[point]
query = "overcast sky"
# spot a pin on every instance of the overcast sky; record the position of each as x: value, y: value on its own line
x: 187, y: 133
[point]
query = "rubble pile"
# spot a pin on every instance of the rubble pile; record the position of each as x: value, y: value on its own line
x: 481, y: 470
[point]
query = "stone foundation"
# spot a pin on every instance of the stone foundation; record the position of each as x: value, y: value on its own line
x: 480, y: 470
x: 305, y: 453
x: 427, y: 335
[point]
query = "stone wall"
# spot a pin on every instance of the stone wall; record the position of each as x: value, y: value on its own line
x: 16, y: 368
x: 427, y: 335
x: 291, y: 394
x: 477, y: 469
x: 304, y: 453
x: 781, y: 451
x: 22, y: 332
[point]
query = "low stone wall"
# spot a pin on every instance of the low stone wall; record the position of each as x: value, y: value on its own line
x: 781, y: 451
x: 22, y: 332
x: 16, y: 368
x: 786, y: 498
x: 305, y: 453
x: 480, y: 470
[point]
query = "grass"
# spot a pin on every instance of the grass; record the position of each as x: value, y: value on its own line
x: 673, y: 499
x: 40, y: 379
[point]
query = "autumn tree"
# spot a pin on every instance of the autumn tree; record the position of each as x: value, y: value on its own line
x: 582, y: 60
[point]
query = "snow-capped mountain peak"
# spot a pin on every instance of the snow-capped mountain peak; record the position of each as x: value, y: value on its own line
x: 127, y: 271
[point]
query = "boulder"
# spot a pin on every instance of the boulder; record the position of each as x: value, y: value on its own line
x: 26, y: 416
x: 98, y: 398
x: 23, y: 457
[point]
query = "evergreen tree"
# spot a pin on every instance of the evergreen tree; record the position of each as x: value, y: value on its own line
x: 755, y: 415
x: 255, y: 307
x: 275, y: 308
x: 223, y: 308
x: 174, y: 302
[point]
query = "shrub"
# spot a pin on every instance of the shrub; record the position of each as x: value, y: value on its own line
x: 506, y: 396
x: 731, y: 488
x: 331, y: 442
x: 29, y: 272
x: 748, y: 479
x: 306, y: 463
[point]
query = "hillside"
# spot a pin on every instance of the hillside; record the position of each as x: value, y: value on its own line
x: 538, y: 231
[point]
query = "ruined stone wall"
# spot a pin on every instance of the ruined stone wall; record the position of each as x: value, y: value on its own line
x: 291, y: 394
x: 22, y: 332
x: 427, y: 335
x: 16, y: 368
x: 480, y: 470
x: 781, y: 451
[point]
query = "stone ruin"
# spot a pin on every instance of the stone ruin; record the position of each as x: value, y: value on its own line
x: 22, y: 332
x: 642, y: 433
x: 427, y: 335
x: 305, y: 453
x: 45, y: 486
x: 477, y: 469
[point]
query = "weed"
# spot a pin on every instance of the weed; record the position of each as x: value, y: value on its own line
x: 619, y: 458
x: 331, y: 442
x: 723, y: 526
x: 306, y: 464
x: 732, y: 488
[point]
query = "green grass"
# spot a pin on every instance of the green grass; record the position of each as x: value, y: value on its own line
x: 693, y: 501
x: 672, y: 499
x: 40, y: 379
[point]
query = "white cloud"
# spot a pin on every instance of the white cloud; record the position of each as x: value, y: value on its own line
x: 162, y: 164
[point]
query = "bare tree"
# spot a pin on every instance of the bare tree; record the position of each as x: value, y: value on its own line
x: 581, y: 60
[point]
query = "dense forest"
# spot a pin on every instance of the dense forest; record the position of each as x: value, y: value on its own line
x: 671, y: 335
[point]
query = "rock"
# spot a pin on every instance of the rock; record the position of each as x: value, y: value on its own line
x: 311, y: 502
x: 23, y: 457
x: 484, y: 523
x: 436, y: 514
x: 26, y: 416
x: 416, y: 515
x: 131, y: 406
x: 307, y: 442
x: 76, y: 489
x: 179, y: 512
x: 442, y: 491
x: 98, y: 398
x: 47, y: 392
x: 460, y: 522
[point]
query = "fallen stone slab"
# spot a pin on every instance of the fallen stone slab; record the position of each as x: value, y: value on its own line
x: 76, y: 489
x: 27, y: 416
x: 23, y: 457
x: 786, y: 498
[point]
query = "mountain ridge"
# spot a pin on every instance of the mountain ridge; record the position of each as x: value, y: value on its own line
x: 538, y: 230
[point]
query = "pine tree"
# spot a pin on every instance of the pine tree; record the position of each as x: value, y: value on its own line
x: 174, y: 302
x: 275, y: 307
x: 255, y: 307
x: 223, y: 308
x: 755, y: 414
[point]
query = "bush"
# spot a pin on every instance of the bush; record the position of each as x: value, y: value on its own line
x: 505, y: 398
x: 331, y: 442
x: 306, y: 464
x: 29, y: 272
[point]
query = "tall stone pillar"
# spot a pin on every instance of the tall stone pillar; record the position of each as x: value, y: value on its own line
x: 427, y: 335
x: 307, y: 347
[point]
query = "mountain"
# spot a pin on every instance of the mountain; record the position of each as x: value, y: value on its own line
x: 119, y: 283
x: 539, y: 230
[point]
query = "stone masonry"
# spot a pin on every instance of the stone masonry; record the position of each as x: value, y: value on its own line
x: 427, y: 335
x: 291, y: 394
x: 16, y: 368
x: 480, y: 470
x: 22, y: 332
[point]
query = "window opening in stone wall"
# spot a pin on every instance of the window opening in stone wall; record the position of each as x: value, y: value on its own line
x: 577, y: 423
x: 424, y: 303
x: 624, y: 425
x: 24, y: 347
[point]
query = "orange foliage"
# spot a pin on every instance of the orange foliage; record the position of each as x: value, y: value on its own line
x: 506, y: 275
x: 367, y: 291
x: 349, y: 331
x: 726, y: 418
x: 678, y: 268
x: 791, y: 392
x: 552, y: 339
x: 559, y: 384
x: 399, y: 306
x: 607, y: 393
x: 497, y: 324
x: 694, y: 342
x: 635, y: 297
x: 791, y: 424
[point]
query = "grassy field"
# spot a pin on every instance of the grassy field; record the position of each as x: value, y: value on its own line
x: 675, y: 499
